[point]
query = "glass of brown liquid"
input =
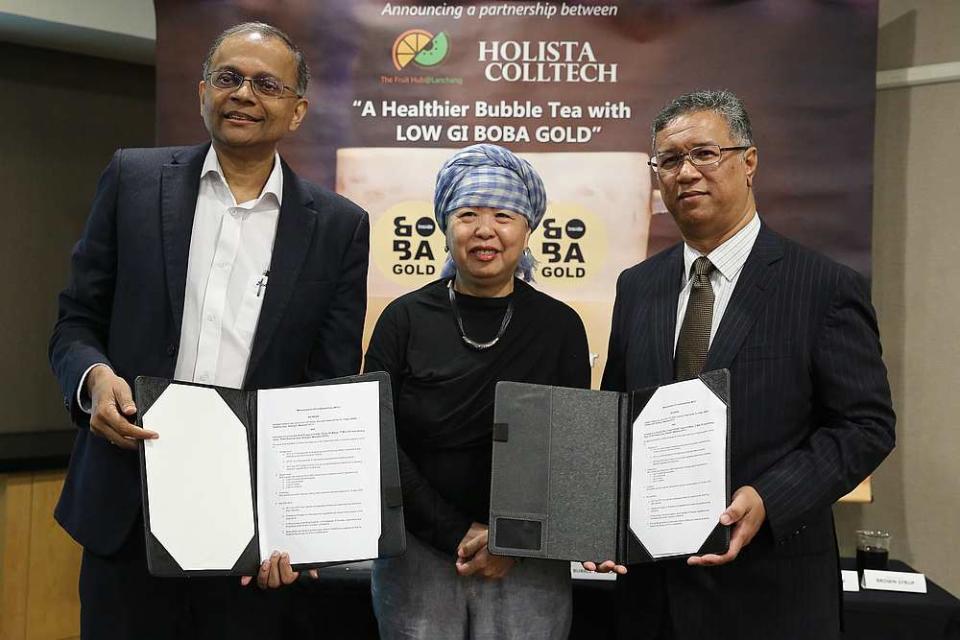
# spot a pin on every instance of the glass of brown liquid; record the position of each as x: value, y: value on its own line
x: 873, y: 548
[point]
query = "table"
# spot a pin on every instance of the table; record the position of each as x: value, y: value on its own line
x: 890, y: 615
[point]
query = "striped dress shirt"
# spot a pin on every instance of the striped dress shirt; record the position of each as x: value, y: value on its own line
x: 728, y: 259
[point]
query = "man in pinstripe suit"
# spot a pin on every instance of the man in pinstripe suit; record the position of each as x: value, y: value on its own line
x: 812, y: 415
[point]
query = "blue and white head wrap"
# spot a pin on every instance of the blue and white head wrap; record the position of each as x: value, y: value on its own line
x: 485, y: 175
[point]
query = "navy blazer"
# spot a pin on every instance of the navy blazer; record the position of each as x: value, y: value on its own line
x: 811, y: 418
x: 123, y: 306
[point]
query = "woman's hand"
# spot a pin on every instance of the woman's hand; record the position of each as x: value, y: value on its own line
x: 604, y: 567
x: 473, y: 558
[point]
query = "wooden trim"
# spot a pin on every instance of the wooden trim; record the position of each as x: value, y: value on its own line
x: 40, y: 563
x: 53, y: 599
x: 16, y: 553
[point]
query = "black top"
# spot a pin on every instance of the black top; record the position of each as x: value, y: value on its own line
x: 444, y: 392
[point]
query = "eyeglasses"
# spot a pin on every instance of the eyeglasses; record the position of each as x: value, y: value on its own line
x: 264, y: 86
x: 708, y: 154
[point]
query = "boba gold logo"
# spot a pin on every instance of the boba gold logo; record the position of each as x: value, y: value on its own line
x: 407, y: 246
x: 571, y: 244
x: 410, y: 248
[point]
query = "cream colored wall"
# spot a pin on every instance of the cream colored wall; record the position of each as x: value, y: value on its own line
x: 128, y: 17
x: 115, y: 29
x: 916, y: 233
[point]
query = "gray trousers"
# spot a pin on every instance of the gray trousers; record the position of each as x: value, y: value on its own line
x: 419, y: 596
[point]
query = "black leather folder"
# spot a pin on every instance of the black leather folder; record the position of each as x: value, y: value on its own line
x: 243, y: 404
x: 561, y: 473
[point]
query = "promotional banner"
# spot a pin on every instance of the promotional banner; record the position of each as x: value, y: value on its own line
x: 572, y: 87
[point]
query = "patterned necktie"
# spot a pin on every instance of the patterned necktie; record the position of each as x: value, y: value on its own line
x: 694, y: 341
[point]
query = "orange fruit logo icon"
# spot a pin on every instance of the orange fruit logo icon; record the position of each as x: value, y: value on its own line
x: 420, y: 47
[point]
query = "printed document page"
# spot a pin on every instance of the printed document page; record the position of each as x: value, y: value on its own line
x: 318, y: 472
x: 678, y: 474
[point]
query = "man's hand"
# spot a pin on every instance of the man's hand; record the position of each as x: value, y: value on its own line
x: 112, y: 405
x: 276, y: 572
x: 604, y: 567
x: 746, y: 513
x: 473, y: 558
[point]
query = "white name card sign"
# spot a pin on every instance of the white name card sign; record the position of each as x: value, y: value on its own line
x: 850, y: 582
x: 894, y: 581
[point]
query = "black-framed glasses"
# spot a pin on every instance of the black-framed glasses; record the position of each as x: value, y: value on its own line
x: 703, y: 156
x: 264, y: 86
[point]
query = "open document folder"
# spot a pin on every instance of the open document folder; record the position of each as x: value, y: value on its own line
x: 311, y: 470
x: 599, y: 475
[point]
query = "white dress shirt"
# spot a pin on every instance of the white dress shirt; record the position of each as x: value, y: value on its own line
x: 728, y: 259
x: 227, y: 273
x: 231, y: 246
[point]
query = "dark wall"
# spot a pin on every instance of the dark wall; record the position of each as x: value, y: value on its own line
x: 61, y: 117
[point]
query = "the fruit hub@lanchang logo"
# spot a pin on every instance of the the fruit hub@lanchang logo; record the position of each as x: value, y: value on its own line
x: 420, y: 47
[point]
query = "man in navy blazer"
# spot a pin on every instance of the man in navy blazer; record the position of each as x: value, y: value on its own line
x: 216, y: 264
x: 811, y: 408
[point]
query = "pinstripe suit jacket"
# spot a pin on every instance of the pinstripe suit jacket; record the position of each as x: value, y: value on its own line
x: 812, y: 417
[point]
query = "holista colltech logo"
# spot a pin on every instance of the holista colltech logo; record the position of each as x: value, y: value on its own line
x: 420, y: 48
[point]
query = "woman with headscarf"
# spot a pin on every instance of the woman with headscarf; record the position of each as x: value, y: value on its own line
x: 446, y: 346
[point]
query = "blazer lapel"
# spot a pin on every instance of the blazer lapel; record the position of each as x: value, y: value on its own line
x: 179, y: 187
x: 666, y: 292
x: 290, y: 247
x: 753, y: 288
